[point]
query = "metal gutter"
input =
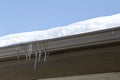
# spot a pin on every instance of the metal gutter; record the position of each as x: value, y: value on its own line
x: 80, y: 40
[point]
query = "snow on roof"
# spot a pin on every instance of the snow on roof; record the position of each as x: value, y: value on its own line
x: 72, y: 29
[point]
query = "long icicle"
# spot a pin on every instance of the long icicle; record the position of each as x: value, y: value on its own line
x: 45, y: 50
x: 29, y: 50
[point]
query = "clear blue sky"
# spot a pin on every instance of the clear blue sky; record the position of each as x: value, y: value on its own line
x: 31, y: 15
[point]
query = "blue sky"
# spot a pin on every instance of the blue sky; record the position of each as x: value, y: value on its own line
x: 31, y: 15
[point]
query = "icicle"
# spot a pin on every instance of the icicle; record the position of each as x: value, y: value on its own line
x: 45, y: 50
x: 39, y: 51
x: 39, y: 56
x: 29, y: 56
x: 26, y: 54
x: 45, y: 57
x: 18, y: 51
x: 25, y: 51
x: 35, y: 63
x: 30, y: 50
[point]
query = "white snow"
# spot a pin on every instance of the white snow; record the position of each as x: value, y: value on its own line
x: 72, y: 29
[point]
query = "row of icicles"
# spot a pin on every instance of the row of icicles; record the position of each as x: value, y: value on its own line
x: 41, y: 51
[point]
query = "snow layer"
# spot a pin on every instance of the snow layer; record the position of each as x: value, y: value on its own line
x: 72, y: 29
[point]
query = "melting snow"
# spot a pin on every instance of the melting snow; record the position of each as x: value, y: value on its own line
x: 72, y: 29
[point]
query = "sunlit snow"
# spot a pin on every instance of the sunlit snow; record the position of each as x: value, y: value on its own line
x: 72, y: 29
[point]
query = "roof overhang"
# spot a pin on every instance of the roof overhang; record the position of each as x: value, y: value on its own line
x: 88, y: 53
